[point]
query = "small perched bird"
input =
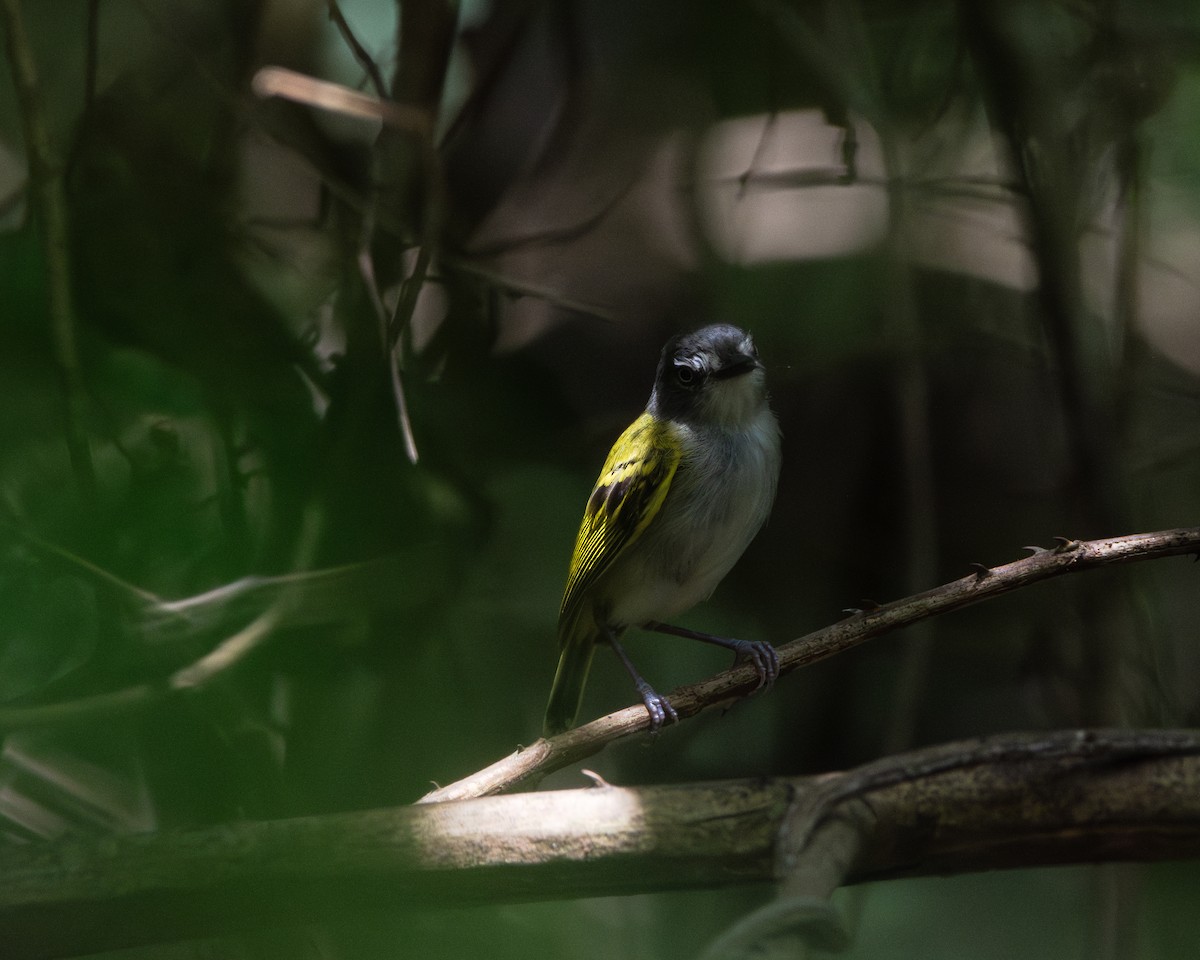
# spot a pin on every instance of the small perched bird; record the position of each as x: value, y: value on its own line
x: 683, y: 492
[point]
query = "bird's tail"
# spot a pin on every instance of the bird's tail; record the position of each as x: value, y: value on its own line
x: 578, y: 644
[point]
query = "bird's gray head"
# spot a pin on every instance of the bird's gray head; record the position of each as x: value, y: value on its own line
x: 710, y: 377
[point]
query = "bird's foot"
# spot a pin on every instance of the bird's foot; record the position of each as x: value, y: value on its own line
x: 658, y: 706
x: 762, y: 656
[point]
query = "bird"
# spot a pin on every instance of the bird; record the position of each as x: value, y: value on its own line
x: 683, y: 492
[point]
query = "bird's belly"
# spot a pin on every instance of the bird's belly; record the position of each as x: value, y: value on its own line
x: 664, y: 591
x: 659, y: 593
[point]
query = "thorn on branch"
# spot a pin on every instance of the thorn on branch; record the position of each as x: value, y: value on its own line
x: 981, y: 571
x: 1035, y: 550
x: 1066, y: 545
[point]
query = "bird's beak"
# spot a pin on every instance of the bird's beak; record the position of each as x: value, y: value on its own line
x: 743, y: 364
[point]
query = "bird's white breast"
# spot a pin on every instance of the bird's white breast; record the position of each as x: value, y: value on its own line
x: 719, y: 498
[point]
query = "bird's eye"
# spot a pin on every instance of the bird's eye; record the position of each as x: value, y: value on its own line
x: 686, y: 374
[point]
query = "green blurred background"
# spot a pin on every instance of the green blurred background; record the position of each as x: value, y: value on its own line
x: 965, y: 236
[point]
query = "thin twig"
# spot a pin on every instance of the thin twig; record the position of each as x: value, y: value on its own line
x: 301, y: 88
x: 227, y: 654
x: 233, y: 100
x: 814, y: 50
x: 513, y: 287
x: 319, y: 596
x: 402, y: 417
x: 552, y: 235
x: 1026, y: 112
x: 360, y: 52
x: 397, y: 324
x: 387, y: 338
x: 50, y: 204
x: 545, y: 756
x: 276, y: 81
x: 96, y: 575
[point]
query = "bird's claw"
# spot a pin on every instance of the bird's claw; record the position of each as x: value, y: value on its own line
x: 764, y: 658
x: 659, y: 708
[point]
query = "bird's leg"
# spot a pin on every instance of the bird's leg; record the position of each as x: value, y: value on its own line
x: 658, y: 706
x: 757, y: 652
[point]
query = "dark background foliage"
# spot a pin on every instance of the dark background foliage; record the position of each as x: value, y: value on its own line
x: 964, y: 236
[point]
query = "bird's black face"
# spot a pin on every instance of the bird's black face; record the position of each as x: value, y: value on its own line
x: 695, y: 368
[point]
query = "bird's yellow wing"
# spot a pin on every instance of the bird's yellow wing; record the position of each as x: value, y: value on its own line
x: 629, y: 492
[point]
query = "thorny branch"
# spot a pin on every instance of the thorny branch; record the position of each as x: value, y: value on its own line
x: 1070, y: 556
